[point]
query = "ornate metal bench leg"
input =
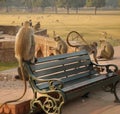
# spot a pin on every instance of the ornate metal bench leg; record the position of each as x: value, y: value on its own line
x: 117, y: 100
x: 50, y: 103
x: 31, y: 107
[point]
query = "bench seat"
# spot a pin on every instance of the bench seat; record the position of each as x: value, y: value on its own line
x: 68, y: 76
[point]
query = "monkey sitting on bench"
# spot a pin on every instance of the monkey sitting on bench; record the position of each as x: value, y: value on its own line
x: 24, y: 47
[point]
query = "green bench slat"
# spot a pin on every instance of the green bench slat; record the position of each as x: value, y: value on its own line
x: 87, y: 82
x: 52, y: 62
x: 58, y: 57
x: 60, y: 68
x: 76, y: 77
x: 70, y: 84
x: 73, y: 72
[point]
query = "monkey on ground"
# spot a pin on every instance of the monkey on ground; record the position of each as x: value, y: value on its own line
x: 106, y: 50
x: 37, y: 26
x: 61, y: 46
x: 91, y: 49
x: 24, y: 51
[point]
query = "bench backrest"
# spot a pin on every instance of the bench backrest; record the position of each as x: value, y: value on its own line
x: 62, y: 66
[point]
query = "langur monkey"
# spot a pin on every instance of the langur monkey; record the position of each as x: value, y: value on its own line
x: 61, y: 45
x: 24, y: 51
x: 106, y: 50
x: 25, y: 44
x: 91, y: 49
x: 37, y: 26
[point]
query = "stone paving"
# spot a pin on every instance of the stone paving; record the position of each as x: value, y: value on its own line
x: 99, y: 102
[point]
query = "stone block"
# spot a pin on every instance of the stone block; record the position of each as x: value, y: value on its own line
x: 22, y: 107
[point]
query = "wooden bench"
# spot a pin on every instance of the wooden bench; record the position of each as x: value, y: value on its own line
x: 61, y: 78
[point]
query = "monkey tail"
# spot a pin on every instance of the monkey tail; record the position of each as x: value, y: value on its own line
x: 77, y: 35
x: 67, y: 40
x: 25, y: 85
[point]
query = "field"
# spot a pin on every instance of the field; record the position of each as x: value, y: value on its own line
x: 5, y: 66
x: 90, y: 26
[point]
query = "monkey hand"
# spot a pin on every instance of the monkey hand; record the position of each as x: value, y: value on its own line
x: 34, y: 60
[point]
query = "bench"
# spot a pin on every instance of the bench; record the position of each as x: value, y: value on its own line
x: 55, y: 80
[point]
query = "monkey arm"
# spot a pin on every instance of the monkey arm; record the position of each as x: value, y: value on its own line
x: 95, y: 57
x: 59, y: 46
x: 32, y: 41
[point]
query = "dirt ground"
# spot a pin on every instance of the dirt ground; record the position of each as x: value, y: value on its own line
x: 99, y: 102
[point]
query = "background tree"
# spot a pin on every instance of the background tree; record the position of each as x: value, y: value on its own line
x: 44, y: 4
x: 95, y: 3
x: 119, y: 3
x: 89, y: 3
x: 28, y: 4
x: 98, y: 3
x: 6, y: 4
x: 112, y: 3
x: 77, y: 4
x: 66, y: 4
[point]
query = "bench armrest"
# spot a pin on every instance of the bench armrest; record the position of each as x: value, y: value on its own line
x: 54, y: 98
x: 50, y: 81
x: 108, y: 68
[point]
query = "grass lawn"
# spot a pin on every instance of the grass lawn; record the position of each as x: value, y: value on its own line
x: 90, y: 26
x: 9, y: 65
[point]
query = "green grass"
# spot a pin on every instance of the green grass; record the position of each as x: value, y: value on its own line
x: 90, y: 26
x: 8, y: 65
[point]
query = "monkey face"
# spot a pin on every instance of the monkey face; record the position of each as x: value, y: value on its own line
x: 95, y: 44
x: 57, y: 38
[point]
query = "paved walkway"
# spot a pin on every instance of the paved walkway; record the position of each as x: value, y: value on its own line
x: 99, y: 102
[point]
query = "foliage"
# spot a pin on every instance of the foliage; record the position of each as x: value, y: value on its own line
x: 89, y: 3
x: 99, y: 3
x: 95, y: 3
x: 55, y: 4
x: 7, y: 65
x: 111, y: 3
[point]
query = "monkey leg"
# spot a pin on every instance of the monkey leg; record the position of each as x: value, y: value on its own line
x: 20, y: 75
x: 104, y: 54
x: 57, y: 52
x: 39, y: 53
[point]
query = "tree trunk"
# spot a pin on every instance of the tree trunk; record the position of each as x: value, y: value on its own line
x: 95, y: 10
x: 56, y: 11
x: 77, y: 10
x: 68, y: 9
x: 55, y: 6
